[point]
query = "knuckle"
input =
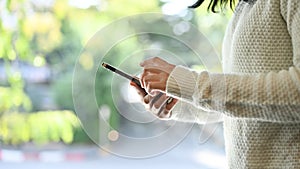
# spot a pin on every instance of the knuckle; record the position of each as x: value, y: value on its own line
x: 156, y: 58
x: 156, y: 106
x: 166, y: 112
x: 146, y: 82
x: 150, y: 85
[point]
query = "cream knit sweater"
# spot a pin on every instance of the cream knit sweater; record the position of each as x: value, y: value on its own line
x: 258, y: 95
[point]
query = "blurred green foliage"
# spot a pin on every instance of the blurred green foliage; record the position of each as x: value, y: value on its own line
x: 38, y: 127
x: 62, y: 91
x: 13, y: 98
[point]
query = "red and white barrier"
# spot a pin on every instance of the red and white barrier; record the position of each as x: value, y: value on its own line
x: 43, y: 156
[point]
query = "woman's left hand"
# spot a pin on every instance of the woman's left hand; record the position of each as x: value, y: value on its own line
x: 157, y: 104
x: 155, y: 75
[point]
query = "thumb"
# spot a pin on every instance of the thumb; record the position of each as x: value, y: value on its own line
x: 147, y: 99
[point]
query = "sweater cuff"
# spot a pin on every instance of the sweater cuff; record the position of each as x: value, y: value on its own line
x: 181, y: 83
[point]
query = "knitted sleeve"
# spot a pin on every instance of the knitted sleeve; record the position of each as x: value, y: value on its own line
x: 186, y: 112
x: 273, y: 96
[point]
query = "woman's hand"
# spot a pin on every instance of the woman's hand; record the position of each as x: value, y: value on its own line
x: 155, y: 75
x: 155, y: 103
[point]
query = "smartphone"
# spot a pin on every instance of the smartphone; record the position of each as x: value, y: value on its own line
x: 125, y: 75
x: 137, y: 81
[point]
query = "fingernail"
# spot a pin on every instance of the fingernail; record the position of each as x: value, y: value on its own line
x: 153, y: 93
x: 146, y: 99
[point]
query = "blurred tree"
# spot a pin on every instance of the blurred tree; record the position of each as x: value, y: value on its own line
x: 39, y: 127
x: 36, y: 34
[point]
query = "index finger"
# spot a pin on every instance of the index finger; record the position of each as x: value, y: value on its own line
x: 155, y: 61
x: 153, y: 69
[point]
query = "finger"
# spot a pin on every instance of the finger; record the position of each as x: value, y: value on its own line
x: 162, y: 109
x: 154, y: 69
x: 151, y: 61
x: 142, y: 78
x: 150, y: 78
x: 164, y: 70
x: 154, y: 86
x: 155, y: 99
x: 164, y: 114
x: 147, y: 99
x: 171, y: 104
x: 160, y: 101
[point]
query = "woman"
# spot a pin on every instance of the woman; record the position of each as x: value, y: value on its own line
x: 260, y: 102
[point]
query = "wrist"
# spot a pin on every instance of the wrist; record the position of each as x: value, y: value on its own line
x: 171, y: 68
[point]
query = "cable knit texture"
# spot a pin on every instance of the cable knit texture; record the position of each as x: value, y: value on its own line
x: 259, y: 91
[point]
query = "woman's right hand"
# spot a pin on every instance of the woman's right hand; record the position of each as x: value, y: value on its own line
x: 155, y: 103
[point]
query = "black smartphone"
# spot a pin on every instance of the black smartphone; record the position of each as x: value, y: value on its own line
x: 125, y: 75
